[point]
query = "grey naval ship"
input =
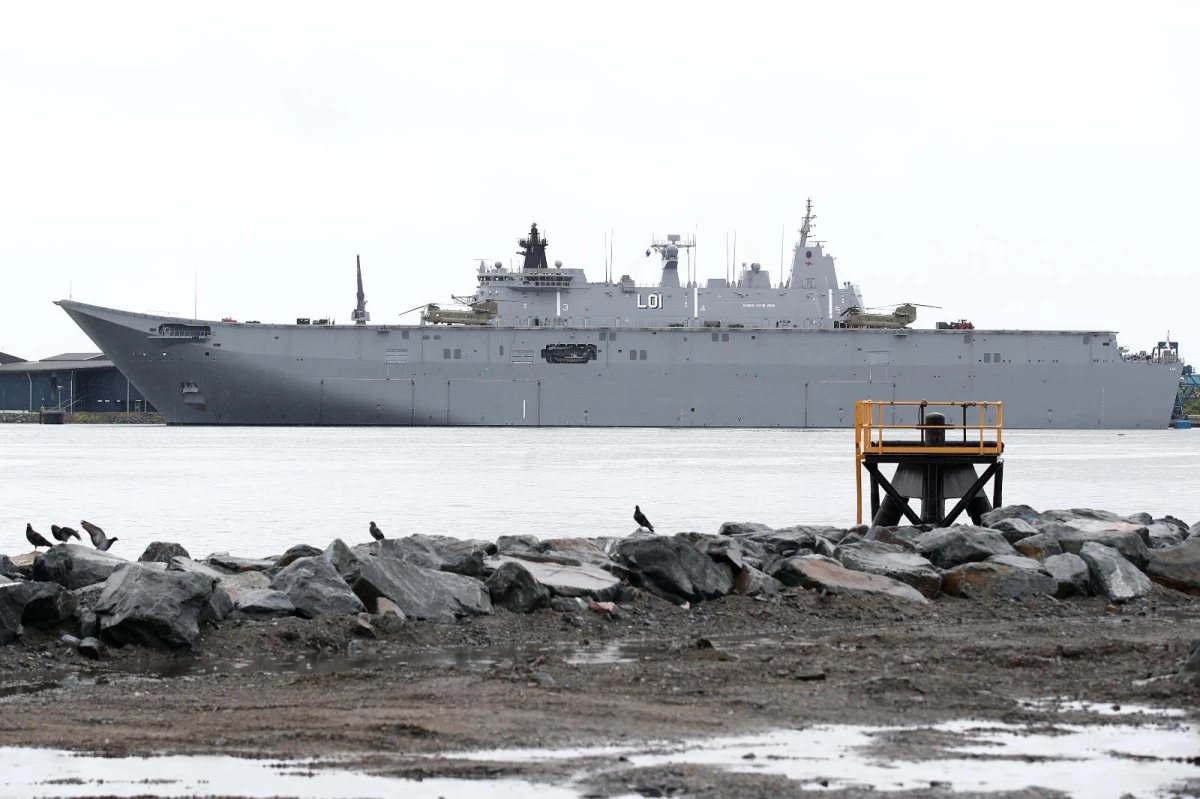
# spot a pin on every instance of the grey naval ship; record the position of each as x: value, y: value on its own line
x: 541, y: 345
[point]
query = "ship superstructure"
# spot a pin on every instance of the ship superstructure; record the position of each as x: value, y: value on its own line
x: 543, y: 345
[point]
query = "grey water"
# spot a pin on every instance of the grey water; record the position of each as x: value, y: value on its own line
x: 260, y: 490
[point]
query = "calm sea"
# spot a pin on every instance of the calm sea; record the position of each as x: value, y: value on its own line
x: 260, y: 490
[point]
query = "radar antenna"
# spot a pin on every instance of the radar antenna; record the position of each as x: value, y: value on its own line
x: 806, y: 228
x: 359, y: 314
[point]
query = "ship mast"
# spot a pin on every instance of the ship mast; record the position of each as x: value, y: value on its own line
x: 359, y: 314
x: 806, y: 228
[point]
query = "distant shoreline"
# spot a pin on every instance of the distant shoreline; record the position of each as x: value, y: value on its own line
x: 33, y: 417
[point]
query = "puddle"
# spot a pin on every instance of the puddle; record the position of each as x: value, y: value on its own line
x: 1064, y: 705
x: 1113, y: 760
x: 23, y: 774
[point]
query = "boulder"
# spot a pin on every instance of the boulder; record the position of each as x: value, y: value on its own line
x: 822, y: 574
x: 749, y: 581
x: 10, y: 617
x: 890, y: 560
x: 218, y: 607
x: 1166, y: 533
x: 161, y: 609
x: 420, y: 593
x: 1126, y: 538
x: 1193, y: 531
x: 294, y: 554
x: 1016, y: 562
x: 1039, y: 546
x: 1177, y: 567
x: 234, y: 564
x: 512, y: 587
x: 583, y: 550
x: 999, y: 579
x: 180, y: 564
x: 315, y: 588
x: 438, y: 552
x: 1143, y: 519
x: 951, y: 546
x: 744, y: 528
x: 42, y: 604
x: 74, y: 566
x: 585, y: 580
x: 1023, y: 512
x: 162, y: 552
x: 1071, y: 573
x: 91, y: 647
x: 506, y: 544
x: 673, y: 567
x: 904, y: 536
x: 238, y: 585
x: 1111, y: 575
x: 1081, y: 514
x: 787, y: 541
x: 263, y: 603
x: 1013, y: 529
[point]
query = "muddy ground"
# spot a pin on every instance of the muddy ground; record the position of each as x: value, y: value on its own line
x: 295, y: 688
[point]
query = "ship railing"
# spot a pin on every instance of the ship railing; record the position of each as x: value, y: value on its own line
x: 978, y: 434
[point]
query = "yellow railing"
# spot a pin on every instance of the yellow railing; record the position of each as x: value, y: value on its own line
x: 964, y: 435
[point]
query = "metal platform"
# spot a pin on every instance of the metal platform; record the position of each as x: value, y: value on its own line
x: 934, y: 449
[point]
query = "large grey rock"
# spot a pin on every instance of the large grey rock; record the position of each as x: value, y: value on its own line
x: 1166, y: 533
x: 420, y: 593
x: 512, y: 587
x: 1003, y: 578
x: 1177, y: 567
x: 821, y: 573
x: 439, y: 552
x: 744, y: 528
x: 1039, y: 547
x: 264, y: 603
x: 1081, y: 514
x: 10, y: 618
x: 74, y: 566
x: 234, y: 564
x: 1112, y: 575
x: 162, y: 552
x: 42, y: 604
x: 673, y: 567
x: 749, y: 581
x: 1193, y: 531
x: 1016, y: 562
x: 154, y: 608
x: 1013, y: 529
x: 1071, y: 573
x: 585, y: 580
x: 951, y: 546
x: 905, y: 536
x: 1023, y: 512
x: 315, y: 588
x: 787, y: 541
x: 1126, y: 538
x: 1143, y: 519
x: 238, y: 585
x: 180, y: 564
x: 892, y: 561
x: 294, y: 553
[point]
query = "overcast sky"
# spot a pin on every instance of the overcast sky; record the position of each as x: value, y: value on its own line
x: 1021, y: 164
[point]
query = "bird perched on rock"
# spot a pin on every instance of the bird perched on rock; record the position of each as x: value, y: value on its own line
x: 641, y: 519
x: 58, y: 534
x: 99, y: 540
x: 35, y: 538
x: 66, y: 532
x: 376, y: 533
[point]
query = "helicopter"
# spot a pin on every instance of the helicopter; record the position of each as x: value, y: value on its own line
x: 904, y: 315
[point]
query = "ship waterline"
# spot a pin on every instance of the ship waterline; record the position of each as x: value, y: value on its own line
x: 263, y: 374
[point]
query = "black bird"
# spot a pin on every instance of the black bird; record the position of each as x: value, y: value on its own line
x: 641, y: 519
x: 58, y: 534
x: 35, y: 538
x: 99, y: 540
x: 68, y: 532
x: 376, y: 533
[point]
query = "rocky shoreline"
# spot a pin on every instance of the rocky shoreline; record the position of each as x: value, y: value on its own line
x: 399, y: 654
x: 166, y: 599
x: 112, y: 417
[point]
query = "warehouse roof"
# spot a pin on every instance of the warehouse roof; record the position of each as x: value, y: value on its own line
x: 66, y: 362
x: 6, y: 358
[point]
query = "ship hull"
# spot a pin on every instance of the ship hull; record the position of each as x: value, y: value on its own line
x: 251, y: 374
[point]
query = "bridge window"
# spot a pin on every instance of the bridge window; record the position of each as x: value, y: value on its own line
x: 987, y: 357
x: 501, y: 349
x: 716, y: 336
x: 642, y: 355
x: 996, y: 357
x: 458, y: 355
x: 633, y: 355
x: 446, y: 354
x: 724, y: 337
x: 603, y: 336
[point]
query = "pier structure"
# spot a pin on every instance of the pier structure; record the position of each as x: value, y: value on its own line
x: 935, y: 459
